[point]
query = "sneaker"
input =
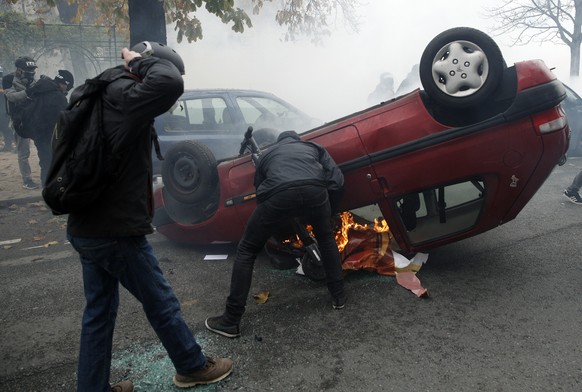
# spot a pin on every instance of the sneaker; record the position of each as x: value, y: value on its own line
x: 339, y: 302
x: 30, y: 185
x: 123, y: 386
x: 213, y: 371
x: 218, y: 325
x: 574, y: 197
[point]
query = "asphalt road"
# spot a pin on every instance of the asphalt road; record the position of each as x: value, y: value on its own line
x: 504, y: 313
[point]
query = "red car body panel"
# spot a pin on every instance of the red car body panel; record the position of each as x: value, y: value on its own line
x: 398, y: 148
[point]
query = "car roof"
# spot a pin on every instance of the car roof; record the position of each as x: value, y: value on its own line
x: 227, y: 91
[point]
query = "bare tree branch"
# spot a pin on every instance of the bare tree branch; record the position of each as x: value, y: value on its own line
x: 526, y: 21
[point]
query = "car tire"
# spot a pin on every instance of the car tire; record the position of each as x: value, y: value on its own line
x: 461, y: 67
x: 189, y: 172
x: 311, y: 268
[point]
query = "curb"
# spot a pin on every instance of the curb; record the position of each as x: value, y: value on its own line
x: 20, y: 200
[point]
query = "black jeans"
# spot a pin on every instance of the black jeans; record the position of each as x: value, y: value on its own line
x: 44, y: 150
x: 309, y: 203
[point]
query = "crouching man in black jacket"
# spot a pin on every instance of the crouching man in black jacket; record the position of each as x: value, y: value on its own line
x: 293, y: 179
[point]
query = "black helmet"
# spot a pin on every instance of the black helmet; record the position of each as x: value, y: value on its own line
x: 151, y: 48
x: 27, y: 64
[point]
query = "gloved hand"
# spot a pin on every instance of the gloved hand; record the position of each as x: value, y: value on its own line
x: 30, y: 91
x: 39, y: 87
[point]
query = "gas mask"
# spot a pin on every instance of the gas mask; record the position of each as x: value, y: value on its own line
x: 27, y: 76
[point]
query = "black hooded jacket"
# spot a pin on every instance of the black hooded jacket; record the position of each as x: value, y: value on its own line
x: 129, y: 108
x: 294, y: 162
x: 41, y: 115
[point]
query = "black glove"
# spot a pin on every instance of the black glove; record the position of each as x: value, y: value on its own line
x: 30, y: 91
x: 39, y: 87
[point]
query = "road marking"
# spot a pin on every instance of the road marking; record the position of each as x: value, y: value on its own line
x: 36, y: 258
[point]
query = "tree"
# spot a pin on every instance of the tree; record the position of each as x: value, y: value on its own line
x: 543, y: 21
x: 23, y: 37
x: 310, y: 18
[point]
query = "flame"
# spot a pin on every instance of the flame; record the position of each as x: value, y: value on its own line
x: 348, y: 223
x: 342, y: 233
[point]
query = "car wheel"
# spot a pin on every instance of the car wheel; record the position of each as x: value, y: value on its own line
x: 461, y: 67
x: 189, y: 172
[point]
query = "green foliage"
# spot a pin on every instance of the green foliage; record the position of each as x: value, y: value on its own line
x: 19, y: 38
x: 310, y: 18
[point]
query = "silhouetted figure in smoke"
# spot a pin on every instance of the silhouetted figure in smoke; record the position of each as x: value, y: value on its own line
x: 411, y: 82
x: 384, y: 90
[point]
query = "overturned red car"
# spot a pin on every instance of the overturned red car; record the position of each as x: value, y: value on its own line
x: 455, y: 159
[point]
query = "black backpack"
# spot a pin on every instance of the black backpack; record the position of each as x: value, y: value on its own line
x: 82, y: 164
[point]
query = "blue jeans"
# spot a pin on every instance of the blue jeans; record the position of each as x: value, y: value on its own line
x: 309, y: 203
x: 130, y: 261
x: 576, y: 183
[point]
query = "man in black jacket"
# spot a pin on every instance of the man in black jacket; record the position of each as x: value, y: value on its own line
x: 110, y: 236
x: 48, y: 98
x: 4, y: 127
x: 294, y: 178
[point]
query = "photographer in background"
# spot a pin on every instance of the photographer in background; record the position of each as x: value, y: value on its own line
x: 23, y: 78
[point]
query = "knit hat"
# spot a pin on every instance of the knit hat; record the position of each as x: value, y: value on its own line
x: 65, y: 77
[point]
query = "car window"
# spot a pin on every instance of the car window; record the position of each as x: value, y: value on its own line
x: 198, y: 114
x: 439, y: 212
x: 205, y: 113
x: 261, y: 112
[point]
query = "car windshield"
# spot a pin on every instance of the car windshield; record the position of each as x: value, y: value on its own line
x: 262, y: 112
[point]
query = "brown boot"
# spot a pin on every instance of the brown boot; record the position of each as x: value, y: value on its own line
x: 123, y: 386
x: 213, y: 371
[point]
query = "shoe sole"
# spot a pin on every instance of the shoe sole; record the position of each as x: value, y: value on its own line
x: 181, y: 384
x: 218, y: 331
x: 338, y: 307
x: 572, y: 200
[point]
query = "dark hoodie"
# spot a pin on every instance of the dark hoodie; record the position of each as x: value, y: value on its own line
x: 41, y: 115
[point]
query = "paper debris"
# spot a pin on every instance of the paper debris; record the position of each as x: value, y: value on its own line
x: 409, y: 281
x: 401, y: 262
x: 215, y: 257
x: 10, y: 242
x: 299, y: 269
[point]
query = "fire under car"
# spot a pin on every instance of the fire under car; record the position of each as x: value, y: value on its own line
x: 459, y: 157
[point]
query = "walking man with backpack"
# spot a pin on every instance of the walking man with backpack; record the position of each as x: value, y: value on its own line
x: 110, y: 235
x: 15, y: 86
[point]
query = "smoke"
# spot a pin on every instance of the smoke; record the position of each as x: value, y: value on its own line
x: 334, y: 79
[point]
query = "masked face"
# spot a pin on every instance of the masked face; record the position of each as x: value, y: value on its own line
x: 28, y: 76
